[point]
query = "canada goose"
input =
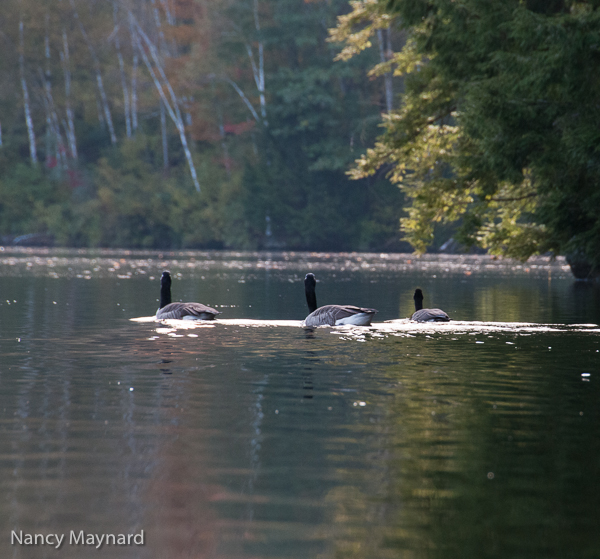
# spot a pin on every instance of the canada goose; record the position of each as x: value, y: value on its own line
x: 332, y: 315
x: 180, y: 311
x: 427, y: 315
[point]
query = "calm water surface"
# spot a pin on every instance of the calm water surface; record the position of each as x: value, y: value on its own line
x: 253, y: 440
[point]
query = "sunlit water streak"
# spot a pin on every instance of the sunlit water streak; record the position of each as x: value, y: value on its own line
x: 126, y: 264
x: 389, y: 327
x: 250, y: 437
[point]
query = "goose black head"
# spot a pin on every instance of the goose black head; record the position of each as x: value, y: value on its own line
x: 165, y: 289
x: 418, y: 297
x: 310, y: 283
x: 165, y: 279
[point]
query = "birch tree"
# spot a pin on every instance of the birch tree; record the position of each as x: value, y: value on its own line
x: 53, y: 132
x: 161, y: 47
x: 385, y: 53
x: 99, y: 80
x: 134, y: 78
x: 165, y: 90
x: 356, y: 30
x: 70, y: 124
x: 231, y: 27
x: 26, y: 100
x: 257, y: 61
x: 124, y: 87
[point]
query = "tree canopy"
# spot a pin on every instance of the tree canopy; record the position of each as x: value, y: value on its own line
x: 498, y: 128
x: 188, y: 123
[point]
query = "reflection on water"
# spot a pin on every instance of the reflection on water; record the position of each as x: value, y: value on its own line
x: 403, y: 326
x: 250, y: 437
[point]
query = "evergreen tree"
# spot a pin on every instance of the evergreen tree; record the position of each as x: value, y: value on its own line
x: 320, y: 116
x: 499, y: 125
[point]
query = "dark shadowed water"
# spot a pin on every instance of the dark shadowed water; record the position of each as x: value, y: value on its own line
x: 252, y: 440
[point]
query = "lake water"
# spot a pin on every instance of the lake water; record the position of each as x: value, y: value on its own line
x: 251, y: 438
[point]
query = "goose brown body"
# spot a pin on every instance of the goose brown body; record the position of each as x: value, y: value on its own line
x: 180, y: 311
x: 332, y: 315
x: 427, y: 315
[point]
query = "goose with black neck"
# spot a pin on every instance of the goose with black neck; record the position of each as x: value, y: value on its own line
x: 427, y: 315
x: 332, y: 315
x: 180, y: 311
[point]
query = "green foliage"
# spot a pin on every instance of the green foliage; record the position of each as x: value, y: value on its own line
x: 24, y: 193
x: 125, y: 202
x: 320, y: 115
x: 138, y: 207
x: 288, y: 165
x: 499, y: 126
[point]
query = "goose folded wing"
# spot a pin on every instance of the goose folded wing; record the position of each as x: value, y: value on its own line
x: 430, y: 315
x: 180, y: 311
x: 330, y: 315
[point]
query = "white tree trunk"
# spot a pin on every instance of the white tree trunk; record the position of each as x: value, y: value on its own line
x: 387, y: 77
x: 163, y: 130
x: 134, y: 69
x: 70, y: 128
x: 243, y: 97
x: 55, y: 141
x: 99, y: 82
x: 126, y: 107
x: 259, y: 72
x: 26, y: 103
x: 171, y: 103
x: 161, y: 35
x: 221, y: 131
x: 168, y: 12
x: 60, y: 151
x: 106, y: 108
x: 258, y: 69
x: 51, y: 139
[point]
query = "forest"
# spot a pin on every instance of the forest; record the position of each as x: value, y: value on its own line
x: 189, y: 123
x: 303, y: 124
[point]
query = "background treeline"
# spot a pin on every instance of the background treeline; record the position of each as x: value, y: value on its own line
x: 235, y: 123
x: 189, y: 123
